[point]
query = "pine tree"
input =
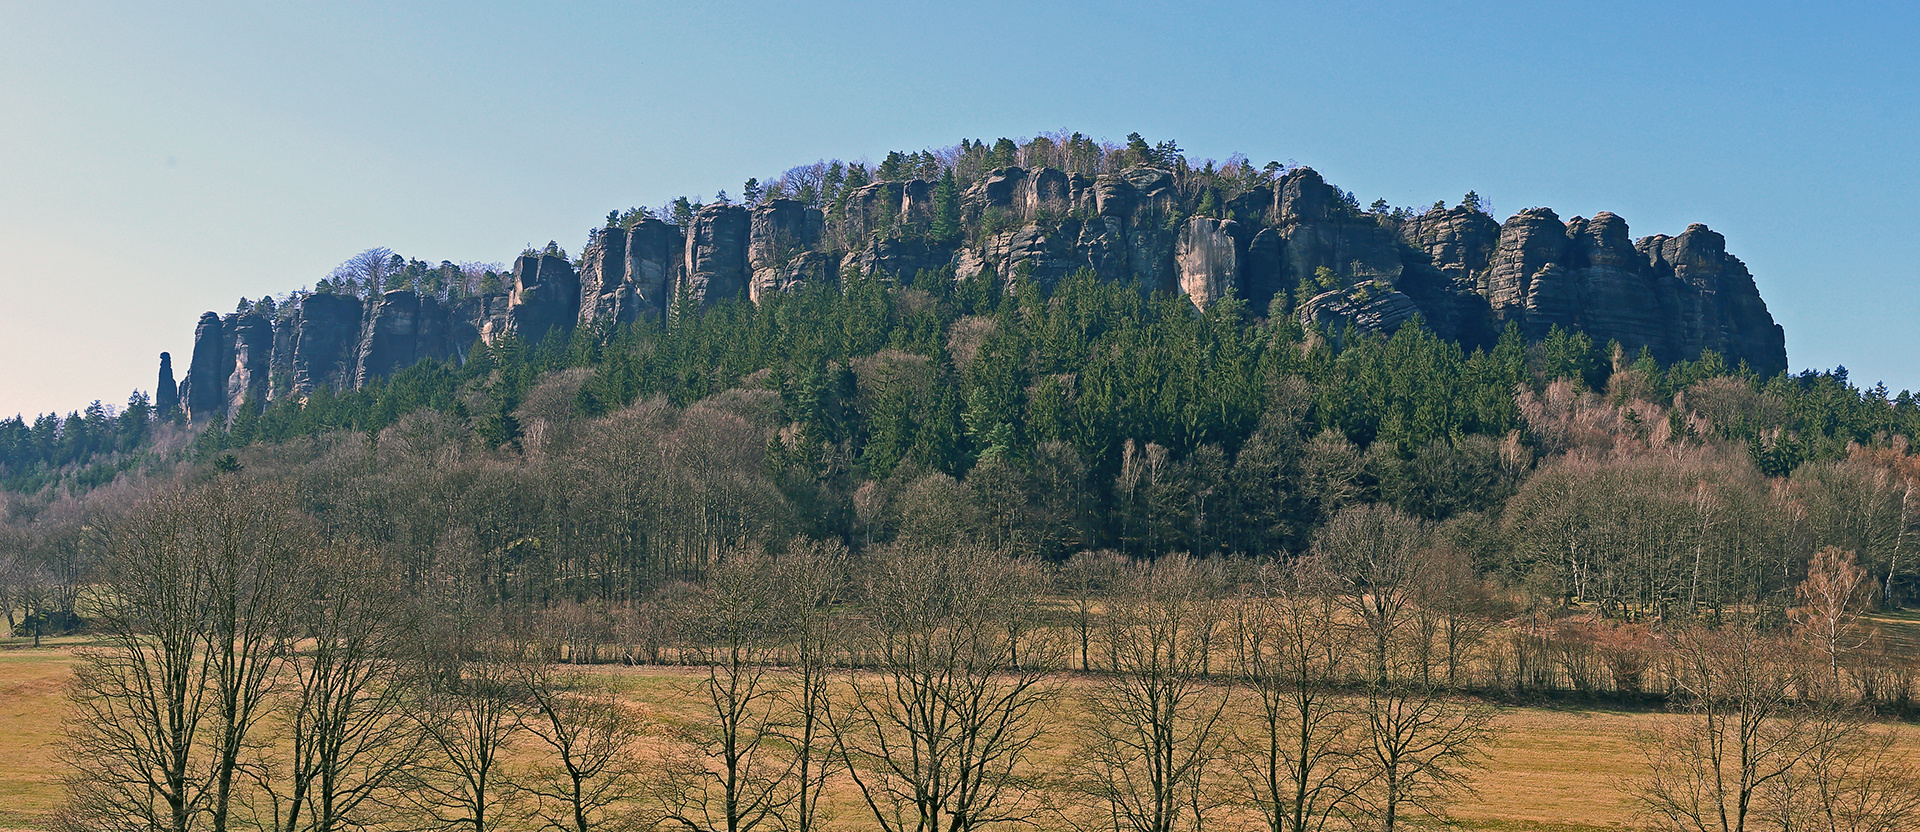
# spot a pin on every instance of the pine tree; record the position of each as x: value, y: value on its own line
x: 946, y: 208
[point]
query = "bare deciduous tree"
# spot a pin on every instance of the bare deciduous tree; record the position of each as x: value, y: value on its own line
x: 1155, y: 725
x: 1743, y: 736
x: 738, y: 778
x: 1298, y: 753
x: 1419, y: 745
x: 810, y: 575
x: 470, y: 718
x: 347, y: 733
x: 192, y: 617
x: 588, y: 776
x: 940, y: 736
x: 1376, y: 552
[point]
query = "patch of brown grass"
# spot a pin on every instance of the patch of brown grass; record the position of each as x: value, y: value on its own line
x: 32, y: 705
x: 1551, y: 770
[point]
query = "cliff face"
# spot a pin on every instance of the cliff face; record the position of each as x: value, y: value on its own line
x: 1297, y: 240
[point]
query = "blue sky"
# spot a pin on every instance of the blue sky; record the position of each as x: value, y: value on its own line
x: 162, y: 159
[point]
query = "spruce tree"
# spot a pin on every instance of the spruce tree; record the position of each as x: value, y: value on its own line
x: 946, y: 208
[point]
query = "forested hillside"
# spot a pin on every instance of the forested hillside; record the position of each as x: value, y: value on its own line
x: 796, y: 377
x: 1244, y: 506
x: 602, y: 466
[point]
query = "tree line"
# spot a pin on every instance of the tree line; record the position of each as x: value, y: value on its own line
x: 255, y: 669
x: 601, y: 467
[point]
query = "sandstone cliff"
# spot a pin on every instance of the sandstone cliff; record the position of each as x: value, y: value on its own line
x: 1289, y: 243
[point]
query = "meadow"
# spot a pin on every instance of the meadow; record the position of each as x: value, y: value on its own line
x: 1552, y: 768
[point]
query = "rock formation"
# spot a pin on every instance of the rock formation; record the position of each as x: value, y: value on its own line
x: 781, y: 239
x: 545, y: 296
x: 166, y: 395
x: 1465, y: 275
x: 1208, y: 259
x: 326, y: 337
x: 204, y: 390
x: 717, y: 254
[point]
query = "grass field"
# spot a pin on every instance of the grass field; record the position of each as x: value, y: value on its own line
x: 32, y: 701
x: 1553, y: 769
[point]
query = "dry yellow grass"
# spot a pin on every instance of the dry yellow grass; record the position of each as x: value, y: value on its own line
x: 1552, y: 770
x: 32, y: 702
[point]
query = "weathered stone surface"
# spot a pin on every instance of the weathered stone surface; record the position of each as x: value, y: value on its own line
x: 1459, y: 242
x: 656, y: 263
x: 280, y: 367
x: 1673, y: 296
x: 545, y: 297
x: 1044, y: 257
x: 1265, y: 270
x: 166, y: 394
x: 872, y: 210
x: 1000, y: 190
x: 1605, y: 288
x: 1356, y: 251
x: 803, y: 269
x: 391, y: 339
x: 205, y: 389
x: 781, y: 231
x: 1303, y: 197
x: 1048, y: 189
x: 1142, y: 204
x: 1208, y: 259
x: 899, y: 258
x: 1102, y: 243
x: 1322, y: 233
x: 1369, y: 308
x: 916, y: 202
x: 1528, y: 241
x: 1722, y: 307
x: 717, y: 254
x: 326, y: 337
x: 1254, y: 208
x: 251, y: 338
x: 603, y: 276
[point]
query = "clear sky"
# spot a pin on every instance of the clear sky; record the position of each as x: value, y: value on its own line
x: 158, y: 160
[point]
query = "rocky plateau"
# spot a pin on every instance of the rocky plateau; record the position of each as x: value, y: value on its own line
x: 1295, y: 240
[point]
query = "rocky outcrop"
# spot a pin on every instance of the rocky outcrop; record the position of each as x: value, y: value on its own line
x: 166, y: 394
x: 1138, y: 208
x: 326, y: 337
x: 656, y: 258
x: 1208, y: 258
x: 1458, y: 242
x: 1465, y: 275
x: 896, y: 257
x: 872, y: 211
x: 1719, y: 305
x: 717, y: 254
x: 630, y: 274
x: 402, y: 329
x: 545, y: 297
x: 1264, y: 270
x: 1368, y: 308
x: 781, y: 239
x: 250, y: 343
x: 205, y: 388
x: 1528, y: 242
x: 1320, y: 231
x: 603, y: 275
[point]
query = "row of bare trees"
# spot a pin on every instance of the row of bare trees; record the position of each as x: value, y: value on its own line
x: 252, y: 672
x: 1766, y: 742
x: 255, y: 670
